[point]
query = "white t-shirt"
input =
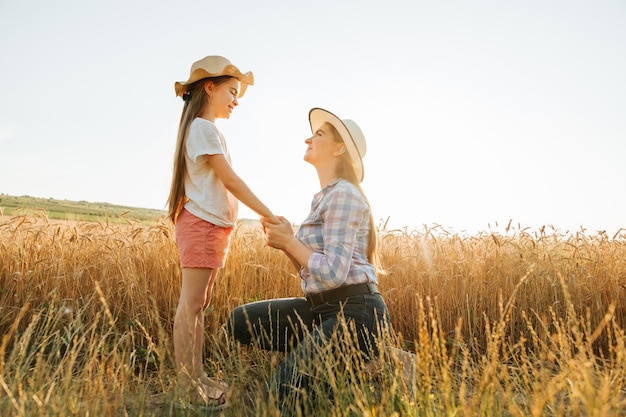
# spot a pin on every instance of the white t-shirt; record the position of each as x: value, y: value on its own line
x: 208, y: 197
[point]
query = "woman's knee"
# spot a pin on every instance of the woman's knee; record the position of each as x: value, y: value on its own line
x: 237, y: 325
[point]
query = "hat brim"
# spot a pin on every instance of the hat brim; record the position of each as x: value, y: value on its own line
x: 318, y: 116
x: 245, y: 79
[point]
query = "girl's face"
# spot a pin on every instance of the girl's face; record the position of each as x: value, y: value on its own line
x: 322, y: 146
x: 222, y: 99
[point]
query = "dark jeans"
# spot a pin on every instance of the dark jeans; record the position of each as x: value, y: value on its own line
x: 291, y: 325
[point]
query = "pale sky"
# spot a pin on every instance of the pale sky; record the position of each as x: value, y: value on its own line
x: 475, y: 112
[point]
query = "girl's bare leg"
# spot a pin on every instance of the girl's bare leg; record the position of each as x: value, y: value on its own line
x: 195, y: 296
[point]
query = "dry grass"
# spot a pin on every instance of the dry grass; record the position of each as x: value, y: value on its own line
x: 469, y: 277
x: 514, y: 323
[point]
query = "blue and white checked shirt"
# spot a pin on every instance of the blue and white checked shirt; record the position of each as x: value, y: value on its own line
x: 337, y: 230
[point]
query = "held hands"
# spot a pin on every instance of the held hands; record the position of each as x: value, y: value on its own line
x: 278, y: 232
x: 271, y: 219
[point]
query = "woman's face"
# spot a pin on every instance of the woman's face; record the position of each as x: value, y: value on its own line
x: 322, y: 146
x: 222, y: 98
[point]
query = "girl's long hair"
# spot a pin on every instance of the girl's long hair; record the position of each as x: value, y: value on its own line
x: 195, y: 101
x: 346, y: 171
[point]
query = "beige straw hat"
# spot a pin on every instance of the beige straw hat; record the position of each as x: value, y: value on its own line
x: 214, y: 66
x: 350, y: 133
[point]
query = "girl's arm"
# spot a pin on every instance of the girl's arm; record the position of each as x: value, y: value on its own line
x: 237, y: 187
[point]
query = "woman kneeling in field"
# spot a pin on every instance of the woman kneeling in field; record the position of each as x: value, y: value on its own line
x: 334, y: 251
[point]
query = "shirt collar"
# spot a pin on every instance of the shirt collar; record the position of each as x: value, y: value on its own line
x: 332, y: 184
x: 321, y: 193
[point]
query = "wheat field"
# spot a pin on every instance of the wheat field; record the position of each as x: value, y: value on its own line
x: 514, y: 323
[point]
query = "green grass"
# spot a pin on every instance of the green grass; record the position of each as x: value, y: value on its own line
x: 75, y: 210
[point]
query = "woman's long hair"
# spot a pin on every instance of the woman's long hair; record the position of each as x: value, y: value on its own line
x: 195, y: 99
x: 346, y: 171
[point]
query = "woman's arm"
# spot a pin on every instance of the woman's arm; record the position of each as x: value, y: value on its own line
x: 280, y: 236
x: 293, y: 260
x: 343, y: 212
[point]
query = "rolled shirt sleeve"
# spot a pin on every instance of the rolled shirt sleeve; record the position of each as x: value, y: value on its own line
x: 337, y: 230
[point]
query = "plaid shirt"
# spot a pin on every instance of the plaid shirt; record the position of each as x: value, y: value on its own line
x: 337, y: 230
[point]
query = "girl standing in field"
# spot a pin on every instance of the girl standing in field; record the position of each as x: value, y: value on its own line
x: 203, y: 205
x: 334, y: 251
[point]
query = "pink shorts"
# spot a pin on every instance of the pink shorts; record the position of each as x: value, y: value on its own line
x: 201, y: 244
